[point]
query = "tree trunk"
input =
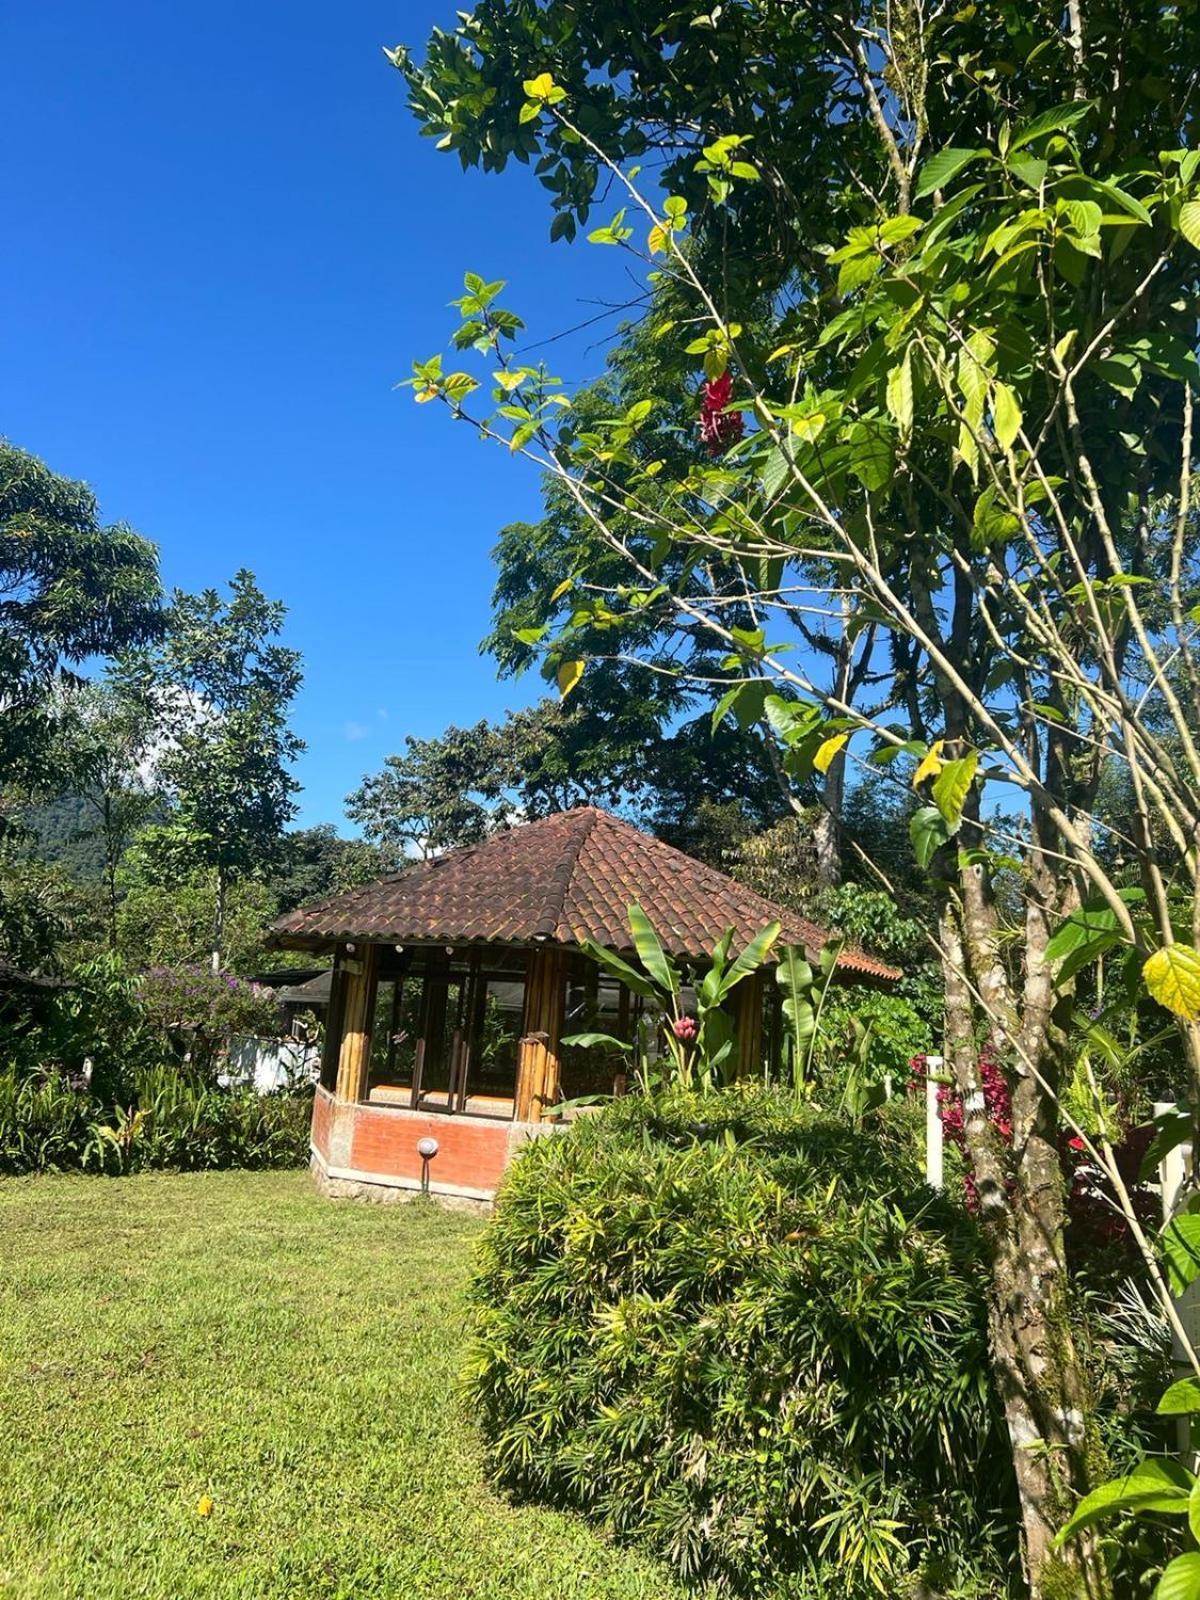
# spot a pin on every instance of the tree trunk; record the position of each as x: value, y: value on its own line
x: 218, y: 934
x: 1035, y: 1365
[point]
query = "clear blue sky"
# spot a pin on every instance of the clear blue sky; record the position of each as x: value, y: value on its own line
x: 224, y: 244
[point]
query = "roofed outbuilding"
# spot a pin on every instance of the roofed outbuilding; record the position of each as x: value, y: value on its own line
x: 454, y: 982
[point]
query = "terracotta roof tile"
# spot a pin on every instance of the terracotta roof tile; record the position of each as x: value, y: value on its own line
x: 568, y: 877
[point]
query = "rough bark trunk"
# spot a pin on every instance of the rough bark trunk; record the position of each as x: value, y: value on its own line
x: 218, y: 936
x: 1036, y: 1367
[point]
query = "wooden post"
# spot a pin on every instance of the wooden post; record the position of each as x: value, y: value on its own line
x: 537, y: 1053
x: 748, y: 1009
x: 333, y: 1025
x: 354, y: 1057
x: 934, y: 1135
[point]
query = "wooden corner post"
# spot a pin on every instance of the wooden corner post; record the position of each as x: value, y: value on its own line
x: 538, y: 1052
x: 748, y: 1023
x: 354, y: 1055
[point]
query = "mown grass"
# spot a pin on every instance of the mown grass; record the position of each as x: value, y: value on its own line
x: 233, y: 1335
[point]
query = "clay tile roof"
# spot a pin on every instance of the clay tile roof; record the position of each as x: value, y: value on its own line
x: 568, y: 877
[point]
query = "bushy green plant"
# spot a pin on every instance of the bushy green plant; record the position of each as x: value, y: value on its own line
x: 746, y: 1335
x: 187, y: 1125
x: 44, y: 1122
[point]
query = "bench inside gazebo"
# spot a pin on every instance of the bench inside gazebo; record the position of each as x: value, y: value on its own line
x: 455, y: 981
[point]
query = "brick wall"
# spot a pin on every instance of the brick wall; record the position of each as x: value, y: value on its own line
x: 471, y: 1154
x: 320, y: 1122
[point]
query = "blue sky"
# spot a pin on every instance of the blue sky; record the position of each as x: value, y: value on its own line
x: 224, y: 244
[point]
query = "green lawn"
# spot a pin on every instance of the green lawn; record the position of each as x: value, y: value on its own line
x: 233, y: 1335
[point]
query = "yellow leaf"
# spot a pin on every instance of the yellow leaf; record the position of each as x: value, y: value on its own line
x: 205, y: 1506
x: 539, y: 88
x: 569, y: 675
x: 423, y: 395
x: 823, y: 759
x: 1173, y: 978
x: 931, y: 765
x: 561, y: 590
x: 809, y: 427
x: 658, y: 238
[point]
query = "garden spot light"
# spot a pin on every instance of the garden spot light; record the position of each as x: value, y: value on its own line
x: 427, y: 1148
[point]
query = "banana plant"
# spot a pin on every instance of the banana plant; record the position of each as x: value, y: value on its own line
x: 699, y: 1048
x: 803, y: 1001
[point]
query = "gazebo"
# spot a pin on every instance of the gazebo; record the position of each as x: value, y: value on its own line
x: 455, y: 981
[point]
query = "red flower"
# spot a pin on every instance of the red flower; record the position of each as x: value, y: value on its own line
x: 684, y: 1029
x: 719, y: 428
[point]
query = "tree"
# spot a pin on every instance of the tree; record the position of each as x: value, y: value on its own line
x: 977, y: 411
x: 314, y: 862
x: 112, y: 757
x: 70, y: 589
x: 220, y: 686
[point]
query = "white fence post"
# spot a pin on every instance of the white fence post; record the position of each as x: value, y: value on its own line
x: 934, y: 1176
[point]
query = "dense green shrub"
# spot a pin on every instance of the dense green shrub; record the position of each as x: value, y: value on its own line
x: 50, y: 1123
x: 748, y: 1336
x: 44, y: 1122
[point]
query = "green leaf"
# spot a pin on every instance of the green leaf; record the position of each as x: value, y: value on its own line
x: 1053, y: 121
x: 939, y: 169
x: 635, y: 981
x: 952, y: 786
x: 1174, y: 1128
x: 1181, y: 1246
x: 1172, y: 975
x: 1180, y: 1579
x: 1189, y: 222
x: 1006, y: 416
x: 650, y: 951
x: 1181, y: 1399
x: 751, y: 958
x: 1156, y: 1484
x: 900, y: 393
x: 590, y: 1041
x: 928, y: 832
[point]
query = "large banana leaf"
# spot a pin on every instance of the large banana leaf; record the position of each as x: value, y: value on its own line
x: 650, y: 952
x: 633, y: 980
x: 751, y: 958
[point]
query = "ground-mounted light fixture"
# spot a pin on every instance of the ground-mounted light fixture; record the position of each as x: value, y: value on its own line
x: 427, y: 1148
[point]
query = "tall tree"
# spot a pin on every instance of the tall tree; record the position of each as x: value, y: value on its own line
x: 220, y: 686
x: 977, y: 409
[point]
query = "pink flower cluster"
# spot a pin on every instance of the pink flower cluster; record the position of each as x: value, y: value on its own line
x: 719, y: 428
x: 997, y: 1100
x: 685, y: 1030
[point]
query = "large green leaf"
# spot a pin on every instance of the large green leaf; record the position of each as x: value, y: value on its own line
x: 1053, y: 121
x: 650, y: 951
x: 1180, y: 1579
x: 1181, y: 1246
x: 633, y: 980
x: 751, y: 958
x: 1156, y: 1484
x: 1181, y: 1399
x: 952, y: 786
x: 1174, y: 1127
x: 590, y: 1041
x: 928, y: 830
x: 939, y: 169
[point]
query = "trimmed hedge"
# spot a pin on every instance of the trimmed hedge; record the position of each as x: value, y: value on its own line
x: 746, y: 1335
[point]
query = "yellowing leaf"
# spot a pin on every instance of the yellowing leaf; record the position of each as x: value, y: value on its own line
x: 569, y: 675
x: 561, y: 590
x: 810, y: 427
x: 827, y: 750
x: 539, y: 88
x: 1173, y: 978
x: 931, y: 765
x: 205, y: 1506
x: 1189, y: 222
x: 658, y: 238
x: 953, y: 785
